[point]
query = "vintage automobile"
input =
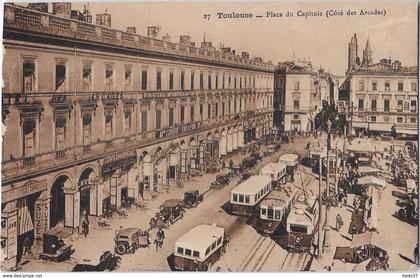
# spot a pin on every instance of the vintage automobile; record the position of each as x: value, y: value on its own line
x: 249, y: 163
x: 221, y: 181
x: 170, y: 211
x: 130, y: 239
x: 256, y: 156
x: 192, y: 198
x: 53, y: 248
x: 244, y: 177
x: 107, y: 261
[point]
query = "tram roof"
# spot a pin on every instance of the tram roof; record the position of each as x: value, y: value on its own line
x: 279, y: 198
x: 273, y: 167
x: 200, y: 237
x: 289, y: 159
x: 252, y: 185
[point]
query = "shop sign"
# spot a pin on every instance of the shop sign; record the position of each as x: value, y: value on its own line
x: 175, y: 130
x: 12, y: 236
x: 23, y: 190
x: 41, y: 218
x: 119, y: 160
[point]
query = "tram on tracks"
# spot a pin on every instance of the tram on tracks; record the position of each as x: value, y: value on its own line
x: 275, y: 208
x: 291, y: 161
x: 244, y: 198
x: 276, y: 172
x: 302, y: 223
x: 199, y: 248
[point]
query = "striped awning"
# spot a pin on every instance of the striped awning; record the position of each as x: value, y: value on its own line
x: 24, y: 217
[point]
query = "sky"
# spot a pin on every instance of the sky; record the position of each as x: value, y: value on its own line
x: 323, y: 40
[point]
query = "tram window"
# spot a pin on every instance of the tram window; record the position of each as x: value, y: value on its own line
x: 263, y: 211
x: 298, y: 229
x: 235, y: 197
x: 277, y: 212
x: 247, y: 199
x: 208, y: 251
x: 241, y: 198
x: 188, y: 252
x: 213, y: 245
x: 196, y: 254
x: 219, y: 241
x: 180, y: 250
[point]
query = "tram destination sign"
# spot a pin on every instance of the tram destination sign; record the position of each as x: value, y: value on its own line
x: 175, y: 130
x: 23, y: 190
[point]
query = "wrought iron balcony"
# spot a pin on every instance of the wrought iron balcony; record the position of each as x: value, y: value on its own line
x: 60, y: 153
x: 87, y: 148
x: 29, y: 161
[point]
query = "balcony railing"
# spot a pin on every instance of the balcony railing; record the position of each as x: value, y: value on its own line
x: 29, y: 161
x: 87, y: 148
x: 32, y: 20
x: 60, y: 153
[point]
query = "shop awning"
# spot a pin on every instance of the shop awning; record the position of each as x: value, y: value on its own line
x: 371, y: 180
x: 371, y: 238
x: 360, y: 124
x: 380, y: 126
x: 410, y: 131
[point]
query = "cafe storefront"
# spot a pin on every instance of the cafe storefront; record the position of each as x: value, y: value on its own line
x: 25, y: 214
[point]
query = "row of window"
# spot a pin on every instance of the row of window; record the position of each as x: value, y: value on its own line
x: 401, y: 105
x: 387, y: 86
x: 271, y: 213
x: 412, y: 120
x: 193, y: 253
x: 221, y: 81
x: 29, y: 125
x: 245, y: 199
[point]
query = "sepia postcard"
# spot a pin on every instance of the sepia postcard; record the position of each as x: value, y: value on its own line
x: 209, y: 136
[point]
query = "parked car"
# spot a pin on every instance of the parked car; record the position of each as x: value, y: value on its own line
x: 130, y: 239
x: 221, y: 181
x: 192, y: 198
x: 53, y: 247
x: 256, y: 156
x: 107, y: 261
x: 169, y: 212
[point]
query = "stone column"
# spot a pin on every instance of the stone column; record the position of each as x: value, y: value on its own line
x: 9, y: 218
x: 235, y: 139
x: 72, y: 205
x: 222, y: 145
x: 93, y: 203
x: 229, y: 141
x: 241, y: 138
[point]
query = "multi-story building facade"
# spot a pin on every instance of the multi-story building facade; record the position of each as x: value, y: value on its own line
x: 383, y: 96
x: 92, y: 115
x: 297, y: 96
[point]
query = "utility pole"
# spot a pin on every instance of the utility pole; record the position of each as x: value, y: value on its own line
x: 327, y: 208
x: 320, y: 208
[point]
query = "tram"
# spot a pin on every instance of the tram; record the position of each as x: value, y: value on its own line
x: 276, y: 171
x: 245, y: 197
x: 302, y: 223
x: 291, y: 161
x: 275, y: 208
x: 199, y: 248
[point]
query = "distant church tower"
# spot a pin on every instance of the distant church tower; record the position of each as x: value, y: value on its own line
x: 367, y: 55
x: 353, y: 60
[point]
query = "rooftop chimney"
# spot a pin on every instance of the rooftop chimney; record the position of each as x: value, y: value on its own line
x: 131, y: 30
x: 153, y: 31
x: 185, y: 39
x: 40, y: 7
x: 104, y: 19
x: 62, y: 9
x: 166, y: 38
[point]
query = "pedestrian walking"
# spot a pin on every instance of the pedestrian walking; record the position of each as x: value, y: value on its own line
x: 338, y: 222
x: 416, y: 254
x: 85, y: 226
x: 27, y: 246
x: 156, y: 243
x: 160, y: 237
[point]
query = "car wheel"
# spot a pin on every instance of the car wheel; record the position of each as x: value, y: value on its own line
x: 121, y: 249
